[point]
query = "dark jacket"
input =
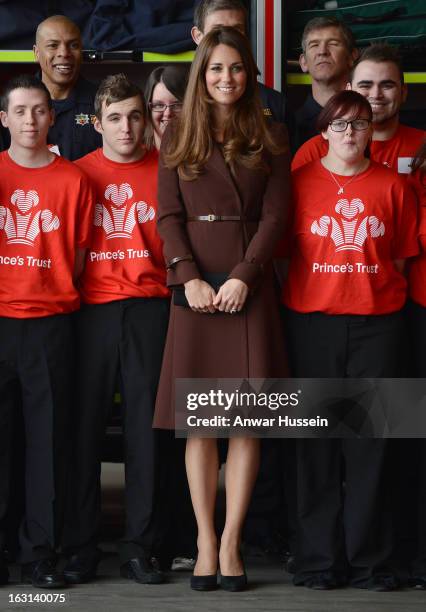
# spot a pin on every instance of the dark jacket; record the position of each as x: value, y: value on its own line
x: 276, y: 108
x: 73, y: 131
x: 306, y: 118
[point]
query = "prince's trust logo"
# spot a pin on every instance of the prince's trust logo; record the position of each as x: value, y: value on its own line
x: 119, y: 217
x: 21, y: 220
x: 350, y: 232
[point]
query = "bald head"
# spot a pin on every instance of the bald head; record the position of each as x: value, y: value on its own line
x: 58, y: 50
x: 52, y: 22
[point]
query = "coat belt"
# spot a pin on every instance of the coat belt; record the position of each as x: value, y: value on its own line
x: 220, y: 218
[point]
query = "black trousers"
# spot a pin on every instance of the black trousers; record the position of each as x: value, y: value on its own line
x: 129, y: 336
x: 264, y: 525
x: 12, y: 480
x: 178, y: 534
x: 36, y: 358
x: 6, y: 421
x: 412, y: 456
x: 344, y: 530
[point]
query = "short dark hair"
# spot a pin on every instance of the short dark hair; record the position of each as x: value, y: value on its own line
x: 116, y: 88
x: 207, y: 7
x: 175, y: 79
x: 340, y: 104
x: 380, y: 52
x: 23, y: 81
x: 319, y: 23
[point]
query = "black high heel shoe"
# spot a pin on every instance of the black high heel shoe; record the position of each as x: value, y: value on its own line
x: 233, y: 583
x: 208, y: 582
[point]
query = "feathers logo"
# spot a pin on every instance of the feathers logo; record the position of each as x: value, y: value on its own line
x: 351, y: 231
x: 119, y: 217
x: 21, y: 223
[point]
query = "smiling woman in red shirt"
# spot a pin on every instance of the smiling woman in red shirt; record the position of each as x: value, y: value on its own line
x: 354, y: 225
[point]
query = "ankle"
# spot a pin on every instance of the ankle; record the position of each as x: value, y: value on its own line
x: 207, y: 543
x: 207, y: 562
x: 231, y: 565
x: 230, y: 543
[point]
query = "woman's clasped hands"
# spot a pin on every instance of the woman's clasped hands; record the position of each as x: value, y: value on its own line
x: 202, y: 297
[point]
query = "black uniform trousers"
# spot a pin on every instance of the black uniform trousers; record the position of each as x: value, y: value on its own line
x: 178, y: 534
x: 411, y: 458
x: 127, y: 336
x: 36, y: 358
x: 347, y: 531
x: 12, y: 467
x: 6, y: 422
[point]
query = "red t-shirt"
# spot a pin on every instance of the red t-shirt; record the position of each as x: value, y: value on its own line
x: 417, y: 276
x: 344, y: 245
x: 45, y: 214
x: 125, y: 258
x: 396, y: 153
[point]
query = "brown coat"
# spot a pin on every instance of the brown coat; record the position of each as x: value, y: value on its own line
x: 221, y: 345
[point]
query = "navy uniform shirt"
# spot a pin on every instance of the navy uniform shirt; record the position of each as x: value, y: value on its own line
x: 306, y: 119
x: 73, y: 132
x: 275, y: 107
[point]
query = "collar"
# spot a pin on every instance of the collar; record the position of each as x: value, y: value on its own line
x: 217, y: 162
x: 311, y: 108
x: 84, y: 91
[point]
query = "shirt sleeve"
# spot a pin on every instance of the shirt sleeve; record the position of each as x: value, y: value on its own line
x: 405, y: 243
x: 85, y: 212
x: 312, y: 149
x: 418, y: 184
x: 171, y: 225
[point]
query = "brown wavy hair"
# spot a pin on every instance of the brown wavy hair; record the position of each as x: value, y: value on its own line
x: 246, y: 134
x: 419, y: 161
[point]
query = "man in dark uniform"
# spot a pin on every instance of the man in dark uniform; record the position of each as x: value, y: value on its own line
x: 328, y: 53
x: 58, y: 50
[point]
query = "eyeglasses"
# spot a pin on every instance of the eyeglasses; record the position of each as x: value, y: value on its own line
x: 159, y: 107
x: 340, y: 125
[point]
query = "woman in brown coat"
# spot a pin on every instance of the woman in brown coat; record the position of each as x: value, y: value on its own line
x: 223, y: 189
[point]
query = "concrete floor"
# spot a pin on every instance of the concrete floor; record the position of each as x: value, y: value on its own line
x: 270, y: 590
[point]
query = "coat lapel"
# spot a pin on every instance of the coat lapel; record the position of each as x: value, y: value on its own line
x: 217, y: 162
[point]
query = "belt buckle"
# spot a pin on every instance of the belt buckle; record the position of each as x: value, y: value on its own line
x: 211, y: 217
